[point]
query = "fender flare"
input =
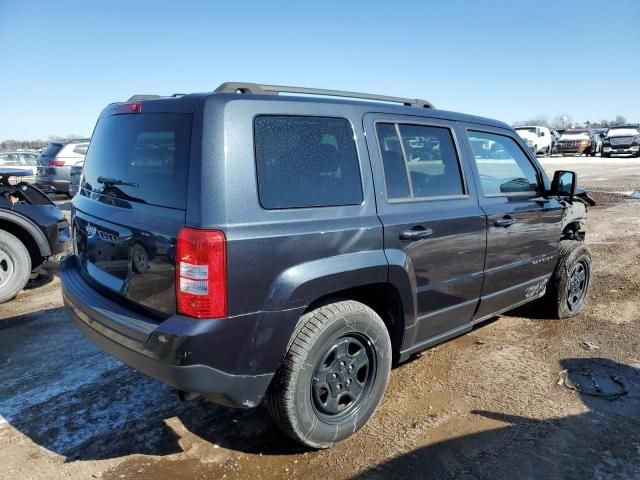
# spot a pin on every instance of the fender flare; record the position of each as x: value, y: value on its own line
x: 30, y: 228
x: 300, y: 285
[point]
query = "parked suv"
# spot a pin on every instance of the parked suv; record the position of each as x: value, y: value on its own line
x: 574, y: 141
x: 247, y: 246
x: 32, y: 229
x: 538, y: 139
x: 55, y: 162
x: 622, y: 140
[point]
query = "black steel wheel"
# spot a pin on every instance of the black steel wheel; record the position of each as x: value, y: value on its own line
x: 333, y: 376
x: 568, y: 287
x: 343, y: 377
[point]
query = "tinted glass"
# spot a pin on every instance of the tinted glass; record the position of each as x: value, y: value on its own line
x: 395, y: 172
x: 502, y: 165
x: 306, y: 162
x: 51, y: 150
x: 432, y: 160
x: 149, y: 150
x: 81, y: 149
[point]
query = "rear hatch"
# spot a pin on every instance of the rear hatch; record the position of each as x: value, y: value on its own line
x: 46, y: 157
x: 132, y: 204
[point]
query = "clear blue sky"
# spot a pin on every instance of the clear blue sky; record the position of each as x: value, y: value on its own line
x: 64, y: 61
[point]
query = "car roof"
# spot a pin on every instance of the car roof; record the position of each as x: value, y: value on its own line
x: 365, y: 103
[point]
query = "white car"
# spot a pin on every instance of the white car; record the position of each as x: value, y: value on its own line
x: 538, y: 139
x: 21, y: 160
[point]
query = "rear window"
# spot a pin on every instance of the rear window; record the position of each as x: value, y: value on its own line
x: 140, y: 157
x: 52, y: 150
x: 306, y: 162
x: 81, y: 149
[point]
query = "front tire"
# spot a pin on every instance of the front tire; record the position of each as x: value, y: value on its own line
x: 333, y: 376
x: 15, y: 266
x: 569, y: 285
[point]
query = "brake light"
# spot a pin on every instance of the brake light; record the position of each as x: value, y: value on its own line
x: 131, y: 107
x: 57, y: 163
x: 201, y: 273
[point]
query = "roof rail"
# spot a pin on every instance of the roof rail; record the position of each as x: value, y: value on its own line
x: 235, y: 87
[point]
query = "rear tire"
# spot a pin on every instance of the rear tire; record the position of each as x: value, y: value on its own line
x: 15, y: 266
x: 333, y: 376
x: 568, y: 287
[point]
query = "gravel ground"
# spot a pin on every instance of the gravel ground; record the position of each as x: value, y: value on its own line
x: 492, y: 404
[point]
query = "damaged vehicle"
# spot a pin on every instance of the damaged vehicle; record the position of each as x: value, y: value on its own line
x: 32, y: 229
x: 273, y: 244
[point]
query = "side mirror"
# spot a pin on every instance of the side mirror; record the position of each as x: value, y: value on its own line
x: 601, y: 135
x: 564, y: 184
x: 541, y: 134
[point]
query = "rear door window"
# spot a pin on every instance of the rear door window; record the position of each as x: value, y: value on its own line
x: 419, y: 161
x: 304, y: 161
x: 10, y: 160
x: 81, y: 149
x: 140, y: 157
x: 502, y: 165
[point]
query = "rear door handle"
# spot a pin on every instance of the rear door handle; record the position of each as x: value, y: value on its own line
x: 505, y: 221
x: 417, y: 233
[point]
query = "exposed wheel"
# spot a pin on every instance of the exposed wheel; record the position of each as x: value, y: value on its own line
x: 15, y: 266
x: 569, y: 285
x: 333, y: 375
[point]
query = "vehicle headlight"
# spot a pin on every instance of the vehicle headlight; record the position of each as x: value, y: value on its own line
x: 636, y: 141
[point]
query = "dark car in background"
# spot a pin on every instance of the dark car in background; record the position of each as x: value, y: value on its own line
x: 574, y: 141
x: 623, y: 140
x: 32, y: 229
x: 56, y: 160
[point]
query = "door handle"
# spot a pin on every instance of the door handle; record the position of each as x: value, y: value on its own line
x: 417, y: 233
x: 505, y: 221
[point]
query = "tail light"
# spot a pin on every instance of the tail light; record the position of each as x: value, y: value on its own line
x: 57, y: 163
x: 201, y: 273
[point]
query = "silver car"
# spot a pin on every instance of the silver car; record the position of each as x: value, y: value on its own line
x: 55, y: 162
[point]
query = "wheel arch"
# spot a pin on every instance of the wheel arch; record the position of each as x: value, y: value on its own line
x: 28, y: 233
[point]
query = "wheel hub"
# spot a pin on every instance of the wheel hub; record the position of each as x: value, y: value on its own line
x: 578, y: 282
x: 342, y: 377
x: 7, y: 267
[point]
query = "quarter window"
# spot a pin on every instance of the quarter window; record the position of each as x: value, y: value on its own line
x: 306, y: 162
x: 502, y: 165
x: 419, y: 161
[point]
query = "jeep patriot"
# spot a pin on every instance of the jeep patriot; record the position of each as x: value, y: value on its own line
x: 282, y: 244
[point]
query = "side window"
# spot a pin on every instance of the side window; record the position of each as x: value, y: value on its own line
x: 427, y: 154
x: 81, y: 149
x: 502, y: 165
x: 395, y: 172
x: 306, y: 162
x: 10, y: 159
x: 29, y: 159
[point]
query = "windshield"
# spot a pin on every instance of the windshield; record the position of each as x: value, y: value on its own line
x: 623, y: 132
x: 140, y: 157
x: 575, y: 134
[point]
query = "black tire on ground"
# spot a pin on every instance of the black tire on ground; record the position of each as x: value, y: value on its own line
x: 605, y: 155
x: 15, y: 266
x: 568, y: 288
x: 310, y: 398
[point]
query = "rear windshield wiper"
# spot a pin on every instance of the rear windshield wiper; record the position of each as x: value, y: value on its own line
x: 116, y: 181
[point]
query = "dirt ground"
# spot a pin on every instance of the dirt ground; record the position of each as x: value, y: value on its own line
x: 518, y: 397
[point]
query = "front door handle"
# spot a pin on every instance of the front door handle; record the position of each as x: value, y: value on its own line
x: 416, y: 234
x: 505, y: 221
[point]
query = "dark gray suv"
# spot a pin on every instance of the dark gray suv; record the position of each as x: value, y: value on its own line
x: 245, y: 245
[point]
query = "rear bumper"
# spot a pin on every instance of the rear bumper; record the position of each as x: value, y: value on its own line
x: 167, y: 351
